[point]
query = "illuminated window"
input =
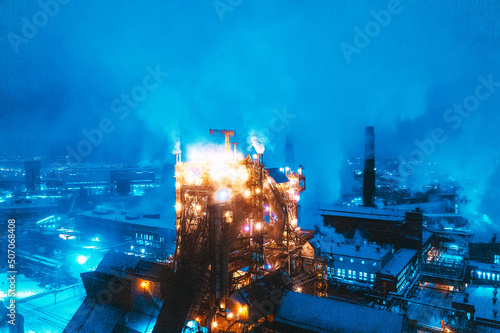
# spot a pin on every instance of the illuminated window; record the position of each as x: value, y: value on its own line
x: 352, y: 260
x: 339, y: 272
x: 374, y: 264
x: 343, y: 272
x: 479, y: 275
x: 363, y: 262
x: 497, y: 259
x: 341, y: 259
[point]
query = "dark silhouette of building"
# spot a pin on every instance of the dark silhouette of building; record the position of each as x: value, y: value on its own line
x: 397, y: 228
x: 369, y: 171
x: 32, y: 170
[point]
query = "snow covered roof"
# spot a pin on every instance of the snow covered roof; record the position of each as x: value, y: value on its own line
x: 365, y: 251
x: 117, y: 263
x: 319, y: 314
x: 111, y: 217
x: 398, y: 262
x: 364, y: 213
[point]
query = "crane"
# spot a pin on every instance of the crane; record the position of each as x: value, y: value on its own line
x: 226, y: 134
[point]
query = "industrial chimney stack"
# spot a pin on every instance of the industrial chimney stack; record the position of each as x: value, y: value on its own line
x: 369, y: 171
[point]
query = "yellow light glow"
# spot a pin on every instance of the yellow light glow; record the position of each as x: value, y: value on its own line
x: 247, y: 193
x: 229, y: 315
x: 214, y: 324
x: 258, y: 225
x: 177, y: 185
x: 257, y: 191
x: 178, y: 206
x: 198, y: 207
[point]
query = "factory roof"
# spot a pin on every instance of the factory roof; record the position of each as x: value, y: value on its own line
x: 426, y: 235
x: 365, y: 251
x: 484, y: 266
x: 365, y: 213
x: 128, y: 217
x: 117, y: 263
x: 481, y: 297
x: 277, y: 175
x: 320, y: 314
x: 93, y: 316
x: 398, y: 262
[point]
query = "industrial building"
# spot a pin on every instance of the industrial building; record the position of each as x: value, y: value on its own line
x: 355, y: 262
x: 145, y: 234
x: 399, y: 272
x: 303, y: 313
x: 402, y: 229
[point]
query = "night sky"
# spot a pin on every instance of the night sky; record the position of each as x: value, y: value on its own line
x: 319, y: 72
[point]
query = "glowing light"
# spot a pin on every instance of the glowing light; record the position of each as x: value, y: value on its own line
x: 198, y: 207
x: 229, y: 315
x: 258, y: 225
x: 178, y: 206
x: 198, y: 319
x: 214, y: 324
x: 132, y: 247
x: 287, y: 169
x: 177, y: 185
x: 281, y: 169
x: 142, y: 250
x: 81, y: 259
x: 257, y: 191
x: 246, y: 228
x: 247, y: 193
x: 298, y: 289
x: 222, y: 195
x: 294, y: 222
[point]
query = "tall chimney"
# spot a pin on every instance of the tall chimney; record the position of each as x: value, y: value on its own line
x: 369, y: 171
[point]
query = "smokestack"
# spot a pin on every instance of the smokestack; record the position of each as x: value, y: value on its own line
x: 289, y: 160
x: 369, y: 171
x: 32, y: 171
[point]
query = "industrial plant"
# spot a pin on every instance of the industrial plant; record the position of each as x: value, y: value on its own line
x: 249, y: 167
x: 231, y: 254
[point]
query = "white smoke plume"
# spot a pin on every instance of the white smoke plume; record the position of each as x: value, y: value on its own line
x: 258, y: 141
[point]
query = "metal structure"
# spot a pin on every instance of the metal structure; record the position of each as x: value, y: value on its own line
x: 235, y: 224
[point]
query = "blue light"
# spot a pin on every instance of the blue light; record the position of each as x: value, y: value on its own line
x: 222, y: 195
